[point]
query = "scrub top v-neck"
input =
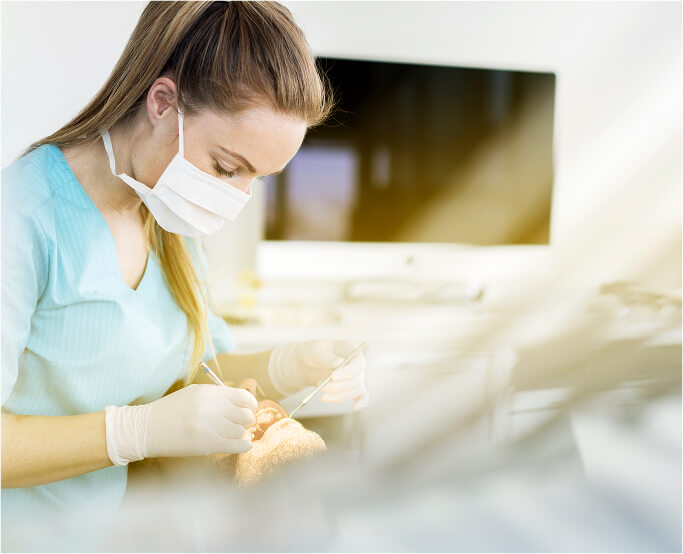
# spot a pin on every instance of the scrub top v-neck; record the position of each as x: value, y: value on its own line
x: 109, y: 243
x: 75, y: 336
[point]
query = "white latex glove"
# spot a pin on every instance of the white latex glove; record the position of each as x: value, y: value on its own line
x: 193, y: 421
x: 295, y: 366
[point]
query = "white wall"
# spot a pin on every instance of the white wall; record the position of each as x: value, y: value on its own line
x: 55, y: 57
x: 618, y: 111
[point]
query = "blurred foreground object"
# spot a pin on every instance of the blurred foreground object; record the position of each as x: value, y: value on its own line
x: 598, y: 470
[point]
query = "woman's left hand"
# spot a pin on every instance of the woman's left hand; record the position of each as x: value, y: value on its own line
x: 295, y: 366
x: 349, y: 381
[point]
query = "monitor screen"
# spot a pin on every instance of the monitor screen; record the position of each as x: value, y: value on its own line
x: 422, y: 153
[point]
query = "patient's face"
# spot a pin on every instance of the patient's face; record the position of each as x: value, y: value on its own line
x: 283, y: 439
x: 268, y: 412
x: 276, y: 439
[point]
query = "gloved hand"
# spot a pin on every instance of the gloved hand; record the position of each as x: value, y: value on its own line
x: 193, y: 421
x: 295, y: 366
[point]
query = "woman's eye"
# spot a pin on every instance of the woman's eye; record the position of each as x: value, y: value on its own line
x: 223, y: 172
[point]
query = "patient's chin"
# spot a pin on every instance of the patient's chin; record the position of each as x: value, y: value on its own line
x: 279, y: 440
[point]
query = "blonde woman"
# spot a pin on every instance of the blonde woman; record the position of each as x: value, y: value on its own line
x: 102, y: 308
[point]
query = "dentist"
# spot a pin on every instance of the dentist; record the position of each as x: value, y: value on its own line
x: 102, y: 308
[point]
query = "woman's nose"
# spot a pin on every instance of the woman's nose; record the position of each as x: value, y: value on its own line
x: 246, y: 188
x: 241, y: 185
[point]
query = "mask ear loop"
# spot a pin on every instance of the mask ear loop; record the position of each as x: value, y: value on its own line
x: 181, y: 142
x: 106, y: 139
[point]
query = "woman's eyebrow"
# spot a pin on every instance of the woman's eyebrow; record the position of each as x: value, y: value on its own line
x: 245, y: 161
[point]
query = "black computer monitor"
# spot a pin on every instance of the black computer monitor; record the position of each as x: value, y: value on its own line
x: 422, y: 153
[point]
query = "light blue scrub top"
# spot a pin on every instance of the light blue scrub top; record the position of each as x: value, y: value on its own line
x: 75, y: 336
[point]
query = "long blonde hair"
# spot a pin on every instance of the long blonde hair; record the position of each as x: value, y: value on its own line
x: 224, y: 57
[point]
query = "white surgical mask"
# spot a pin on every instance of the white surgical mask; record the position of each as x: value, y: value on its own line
x: 185, y: 199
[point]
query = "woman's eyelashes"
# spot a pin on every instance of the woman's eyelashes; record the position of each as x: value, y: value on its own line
x: 229, y: 173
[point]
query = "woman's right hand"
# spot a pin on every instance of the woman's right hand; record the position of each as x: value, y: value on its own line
x: 193, y: 421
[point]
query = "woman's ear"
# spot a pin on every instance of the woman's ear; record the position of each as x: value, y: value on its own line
x: 162, y: 107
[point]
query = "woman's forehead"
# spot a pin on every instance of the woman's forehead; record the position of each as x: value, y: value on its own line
x: 265, y: 138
